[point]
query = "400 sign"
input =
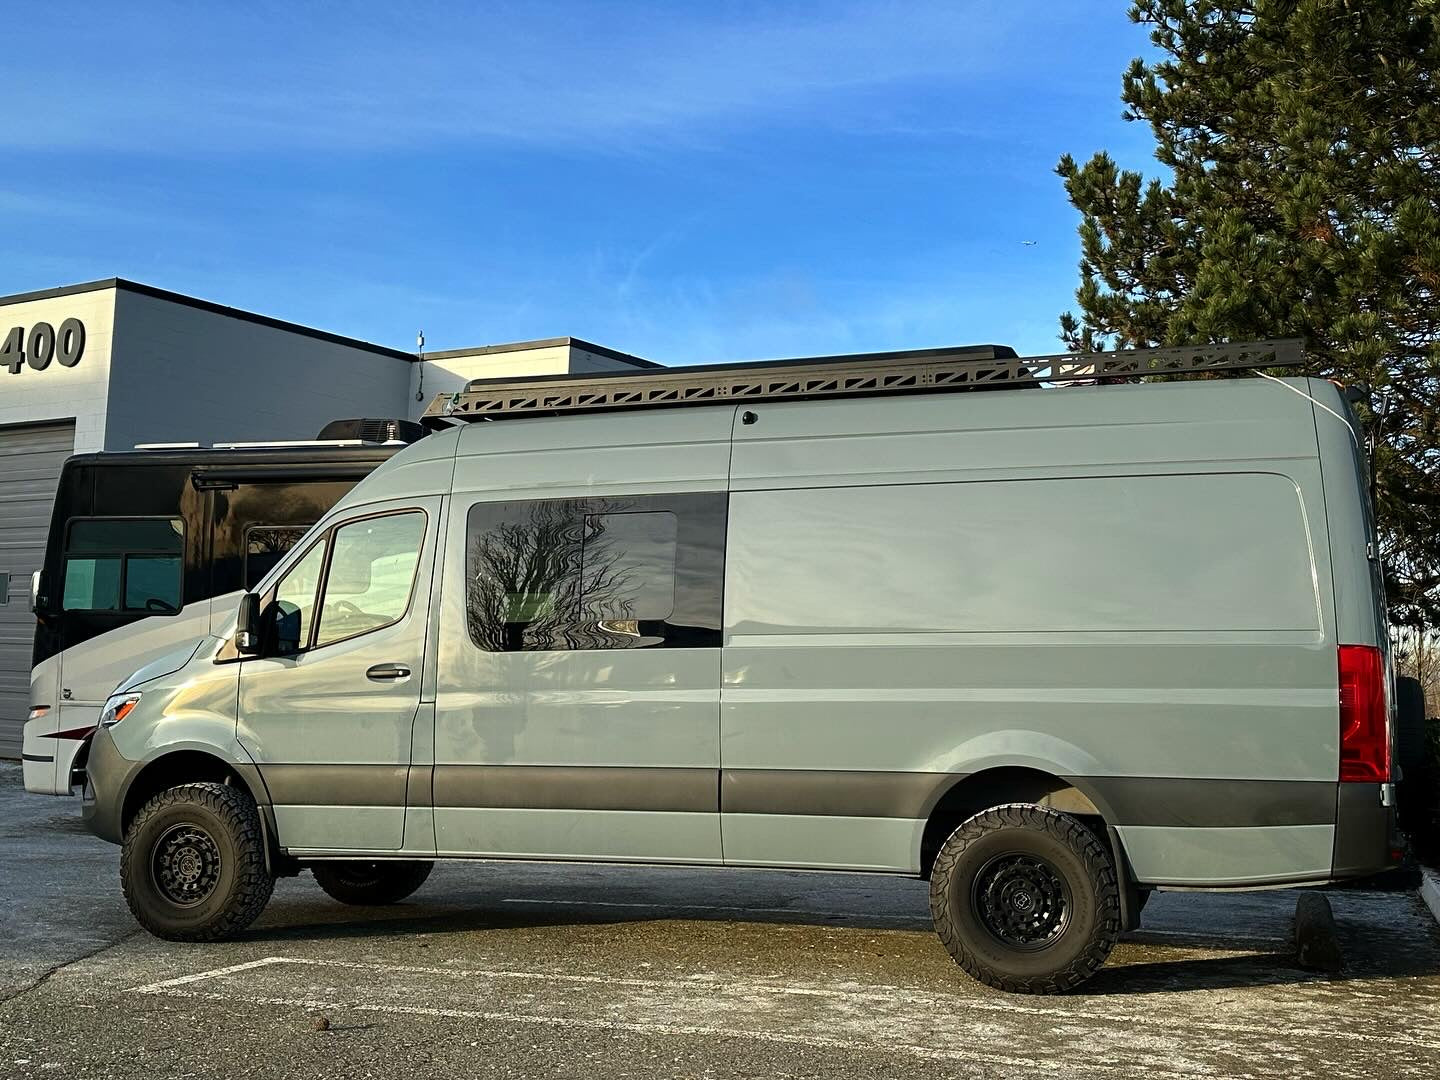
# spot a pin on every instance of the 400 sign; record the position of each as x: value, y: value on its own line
x: 43, y: 344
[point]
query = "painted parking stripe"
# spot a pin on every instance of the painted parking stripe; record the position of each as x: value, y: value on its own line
x: 217, y: 973
x: 820, y: 1042
x: 923, y: 1003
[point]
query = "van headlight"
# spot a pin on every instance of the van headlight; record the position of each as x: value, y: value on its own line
x: 117, y: 708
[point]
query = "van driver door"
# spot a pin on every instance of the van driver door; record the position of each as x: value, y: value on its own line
x: 328, y: 710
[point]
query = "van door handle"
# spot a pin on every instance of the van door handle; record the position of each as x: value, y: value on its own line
x: 381, y: 672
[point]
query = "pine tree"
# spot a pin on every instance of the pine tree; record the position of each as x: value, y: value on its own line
x: 1300, y: 141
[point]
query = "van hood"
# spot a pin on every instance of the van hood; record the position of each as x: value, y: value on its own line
x: 168, y: 664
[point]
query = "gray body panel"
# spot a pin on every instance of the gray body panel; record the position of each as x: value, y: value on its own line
x: 647, y: 720
x: 1135, y: 591
x: 1053, y: 581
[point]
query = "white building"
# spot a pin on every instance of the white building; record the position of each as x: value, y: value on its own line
x: 109, y: 364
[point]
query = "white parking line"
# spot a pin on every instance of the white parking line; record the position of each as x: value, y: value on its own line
x: 155, y: 988
x: 633, y: 1028
x: 917, y: 1003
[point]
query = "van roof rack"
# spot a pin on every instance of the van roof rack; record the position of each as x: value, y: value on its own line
x: 971, y: 367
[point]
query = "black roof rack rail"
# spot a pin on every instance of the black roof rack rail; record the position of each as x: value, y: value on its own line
x: 973, y: 367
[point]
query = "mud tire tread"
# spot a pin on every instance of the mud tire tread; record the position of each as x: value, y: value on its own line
x: 1068, y: 831
x: 253, y: 882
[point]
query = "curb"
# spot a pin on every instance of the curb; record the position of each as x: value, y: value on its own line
x: 1430, y: 891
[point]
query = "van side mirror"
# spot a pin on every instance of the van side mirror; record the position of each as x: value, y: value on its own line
x: 37, y: 590
x: 247, y: 625
x: 282, y: 620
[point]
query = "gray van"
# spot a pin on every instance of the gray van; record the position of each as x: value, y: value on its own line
x: 1049, y: 647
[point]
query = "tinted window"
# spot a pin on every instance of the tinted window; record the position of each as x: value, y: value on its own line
x: 595, y: 573
x: 92, y: 584
x: 117, y: 564
x: 152, y: 580
x: 372, y: 571
x: 108, y: 535
x: 265, y: 545
x: 628, y: 566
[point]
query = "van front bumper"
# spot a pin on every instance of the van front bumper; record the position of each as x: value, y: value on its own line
x: 107, y: 778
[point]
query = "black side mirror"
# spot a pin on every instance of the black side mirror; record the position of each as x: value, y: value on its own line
x: 283, y: 624
x: 247, y: 626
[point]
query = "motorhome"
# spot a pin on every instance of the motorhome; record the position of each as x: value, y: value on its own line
x: 150, y: 548
x: 1050, y: 650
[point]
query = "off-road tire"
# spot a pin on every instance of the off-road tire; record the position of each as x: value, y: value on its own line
x: 366, y: 884
x: 1073, y: 852
x: 1410, y: 726
x: 1418, y: 776
x: 242, y: 885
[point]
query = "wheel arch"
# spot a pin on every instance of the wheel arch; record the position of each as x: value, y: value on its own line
x: 995, y: 786
x: 187, y: 766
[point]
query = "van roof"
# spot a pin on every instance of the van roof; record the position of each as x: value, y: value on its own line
x: 968, y: 367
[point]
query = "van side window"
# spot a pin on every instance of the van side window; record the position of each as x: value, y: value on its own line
x: 603, y: 573
x: 265, y: 545
x: 371, y: 575
x: 628, y: 566
x: 124, y: 564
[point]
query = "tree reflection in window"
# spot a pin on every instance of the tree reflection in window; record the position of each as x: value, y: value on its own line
x: 568, y: 574
x: 264, y: 546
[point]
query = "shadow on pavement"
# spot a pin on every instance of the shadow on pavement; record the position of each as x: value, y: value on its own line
x: 1140, y: 965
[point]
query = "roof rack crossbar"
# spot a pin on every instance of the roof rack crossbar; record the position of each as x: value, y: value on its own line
x: 981, y: 367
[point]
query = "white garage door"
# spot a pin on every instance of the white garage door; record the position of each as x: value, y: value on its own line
x: 30, y: 460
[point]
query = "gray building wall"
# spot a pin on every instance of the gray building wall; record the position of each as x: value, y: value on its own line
x: 180, y: 374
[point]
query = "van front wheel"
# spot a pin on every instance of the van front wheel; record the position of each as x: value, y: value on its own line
x: 192, y: 866
x: 1025, y: 899
x: 368, y: 883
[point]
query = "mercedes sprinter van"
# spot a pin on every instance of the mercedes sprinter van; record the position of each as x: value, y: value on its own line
x: 1049, y: 648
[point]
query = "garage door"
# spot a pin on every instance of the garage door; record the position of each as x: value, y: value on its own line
x: 30, y: 460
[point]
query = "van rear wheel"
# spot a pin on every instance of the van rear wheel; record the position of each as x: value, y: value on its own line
x: 368, y: 883
x: 192, y: 865
x: 1025, y: 899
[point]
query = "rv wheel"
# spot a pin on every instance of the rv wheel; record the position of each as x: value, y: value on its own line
x: 367, y: 883
x: 1025, y: 899
x: 192, y: 866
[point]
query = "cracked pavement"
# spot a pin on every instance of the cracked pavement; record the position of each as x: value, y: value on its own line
x: 505, y: 970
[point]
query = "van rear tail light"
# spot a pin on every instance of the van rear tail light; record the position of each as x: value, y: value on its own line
x: 1364, y: 734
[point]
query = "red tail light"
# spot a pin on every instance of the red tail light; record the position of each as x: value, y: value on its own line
x: 1364, y: 735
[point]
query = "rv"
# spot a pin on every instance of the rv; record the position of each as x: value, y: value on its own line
x: 1049, y: 650
x: 150, y: 548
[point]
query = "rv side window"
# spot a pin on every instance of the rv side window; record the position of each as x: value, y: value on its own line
x: 568, y: 574
x: 124, y: 564
x: 265, y: 545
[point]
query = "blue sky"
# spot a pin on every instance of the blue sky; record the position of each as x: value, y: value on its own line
x: 689, y: 182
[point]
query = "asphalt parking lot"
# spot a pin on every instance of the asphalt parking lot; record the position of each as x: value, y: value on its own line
x: 553, y: 970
